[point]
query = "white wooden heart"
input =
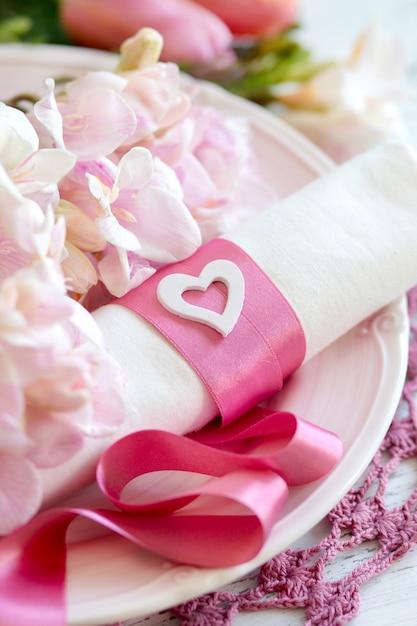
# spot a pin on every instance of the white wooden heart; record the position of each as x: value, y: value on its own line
x: 171, y: 288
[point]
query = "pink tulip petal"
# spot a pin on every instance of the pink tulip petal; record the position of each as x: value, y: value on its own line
x: 253, y: 17
x: 190, y: 32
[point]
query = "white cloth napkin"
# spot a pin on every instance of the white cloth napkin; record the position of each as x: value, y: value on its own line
x: 339, y: 250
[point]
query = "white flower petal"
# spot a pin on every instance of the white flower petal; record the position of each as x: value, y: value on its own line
x: 51, y: 165
x: 167, y: 229
x: 135, y: 168
x: 18, y: 138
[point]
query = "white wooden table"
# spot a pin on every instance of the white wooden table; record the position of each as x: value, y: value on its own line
x: 329, y: 28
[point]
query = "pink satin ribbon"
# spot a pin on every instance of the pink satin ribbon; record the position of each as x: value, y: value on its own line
x: 265, y: 347
x: 250, y: 466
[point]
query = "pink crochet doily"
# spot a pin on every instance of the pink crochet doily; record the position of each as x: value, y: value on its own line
x: 297, y: 578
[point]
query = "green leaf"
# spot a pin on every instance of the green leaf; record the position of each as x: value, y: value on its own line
x: 260, y: 66
x: 31, y: 21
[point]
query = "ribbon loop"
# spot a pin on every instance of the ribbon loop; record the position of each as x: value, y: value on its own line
x: 222, y: 522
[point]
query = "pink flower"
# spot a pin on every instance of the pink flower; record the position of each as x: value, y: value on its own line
x: 190, y: 32
x: 57, y: 384
x: 254, y: 17
x: 139, y: 210
x: 91, y: 118
x: 29, y: 178
x: 156, y: 97
x: 353, y: 104
x: 12, y: 257
x: 107, y: 179
x: 20, y: 218
x: 26, y: 231
x: 211, y: 157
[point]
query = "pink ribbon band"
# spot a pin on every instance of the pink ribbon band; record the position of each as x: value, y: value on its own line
x: 266, y: 345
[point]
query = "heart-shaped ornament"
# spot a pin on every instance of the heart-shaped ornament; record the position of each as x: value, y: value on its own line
x: 171, y: 288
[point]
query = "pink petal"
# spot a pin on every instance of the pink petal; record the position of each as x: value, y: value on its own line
x: 94, y: 80
x: 79, y: 270
x: 56, y: 440
x: 12, y: 404
x: 49, y: 166
x: 12, y: 257
x: 122, y: 271
x: 48, y: 117
x: 166, y: 228
x: 198, y: 187
x: 20, y: 492
x: 254, y: 17
x: 112, y: 231
x: 135, y: 168
x: 99, y: 123
x: 190, y: 32
x: 20, y: 217
x: 108, y: 403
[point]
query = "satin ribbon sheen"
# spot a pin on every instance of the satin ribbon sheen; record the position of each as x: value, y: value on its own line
x: 222, y: 523
x: 243, y: 469
x: 266, y: 345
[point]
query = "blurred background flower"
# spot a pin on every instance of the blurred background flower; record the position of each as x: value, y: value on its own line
x: 249, y: 47
x: 199, y: 30
x: 193, y: 30
x: 190, y: 31
x: 351, y: 105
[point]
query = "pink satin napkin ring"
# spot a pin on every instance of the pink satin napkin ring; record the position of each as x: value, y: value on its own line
x: 263, y: 344
x: 235, y: 328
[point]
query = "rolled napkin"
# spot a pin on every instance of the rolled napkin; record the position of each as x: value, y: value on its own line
x: 337, y: 251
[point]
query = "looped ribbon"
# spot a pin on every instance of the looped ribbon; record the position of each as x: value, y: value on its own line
x: 248, y: 468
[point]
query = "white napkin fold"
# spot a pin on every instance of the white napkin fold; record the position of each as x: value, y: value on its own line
x: 339, y: 250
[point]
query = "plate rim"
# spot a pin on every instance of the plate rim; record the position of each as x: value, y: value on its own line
x: 320, y: 163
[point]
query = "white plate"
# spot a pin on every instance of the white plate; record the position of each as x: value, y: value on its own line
x: 352, y: 387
